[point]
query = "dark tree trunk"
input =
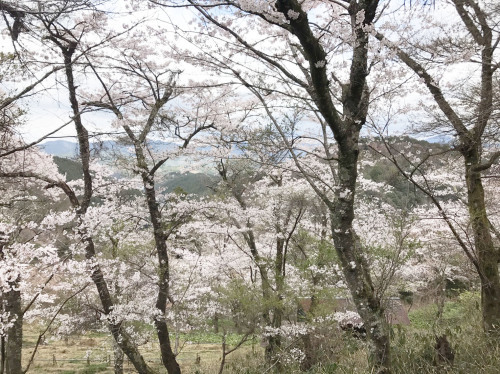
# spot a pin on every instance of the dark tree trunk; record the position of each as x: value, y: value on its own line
x: 470, y: 146
x: 14, y: 343
x: 2, y: 353
x: 486, y: 253
x: 167, y: 354
x: 345, y: 129
x: 124, y: 341
x: 354, y: 264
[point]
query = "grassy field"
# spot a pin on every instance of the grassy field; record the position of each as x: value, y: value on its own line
x: 93, y: 353
x: 412, y: 349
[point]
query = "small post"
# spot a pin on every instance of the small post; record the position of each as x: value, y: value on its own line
x: 54, y: 361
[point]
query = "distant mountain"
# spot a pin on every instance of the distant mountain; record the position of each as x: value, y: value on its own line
x: 441, y: 139
x: 190, y: 183
x: 60, y: 148
x: 69, y: 149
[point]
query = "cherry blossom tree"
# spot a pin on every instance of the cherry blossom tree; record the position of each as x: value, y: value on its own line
x: 25, y: 251
x: 143, y: 117
x: 72, y: 30
x: 279, y: 203
x: 470, y: 40
x: 300, y: 69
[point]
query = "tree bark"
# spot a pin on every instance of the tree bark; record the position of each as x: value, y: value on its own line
x: 355, y: 100
x: 11, y: 304
x: 118, y: 359
x: 354, y: 264
x: 3, y: 355
x: 486, y: 252
x: 14, y: 343
x: 167, y: 354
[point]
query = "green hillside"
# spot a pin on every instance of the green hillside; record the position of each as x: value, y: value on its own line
x: 71, y: 168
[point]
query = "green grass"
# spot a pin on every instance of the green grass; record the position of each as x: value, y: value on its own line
x: 94, y: 368
x: 412, y: 349
x: 204, y: 337
x: 70, y: 353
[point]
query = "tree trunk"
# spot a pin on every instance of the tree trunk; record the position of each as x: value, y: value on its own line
x: 167, y: 354
x: 14, y: 344
x: 124, y: 340
x: 311, y: 356
x: 267, y: 290
x: 274, y: 342
x: 121, y: 337
x: 223, y: 358
x: 486, y: 253
x: 118, y: 359
x: 355, y: 101
x: 354, y: 264
x: 3, y: 355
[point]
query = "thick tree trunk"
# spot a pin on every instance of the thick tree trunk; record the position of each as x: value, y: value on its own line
x: 14, y: 344
x: 470, y: 146
x: 486, y: 253
x: 354, y: 264
x: 355, y: 101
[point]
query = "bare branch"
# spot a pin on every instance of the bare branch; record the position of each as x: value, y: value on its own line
x: 486, y: 165
x: 39, y: 140
x: 9, y: 100
x: 42, y: 334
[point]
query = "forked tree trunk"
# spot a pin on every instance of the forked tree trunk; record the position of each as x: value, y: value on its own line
x: 355, y: 101
x: 476, y: 21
